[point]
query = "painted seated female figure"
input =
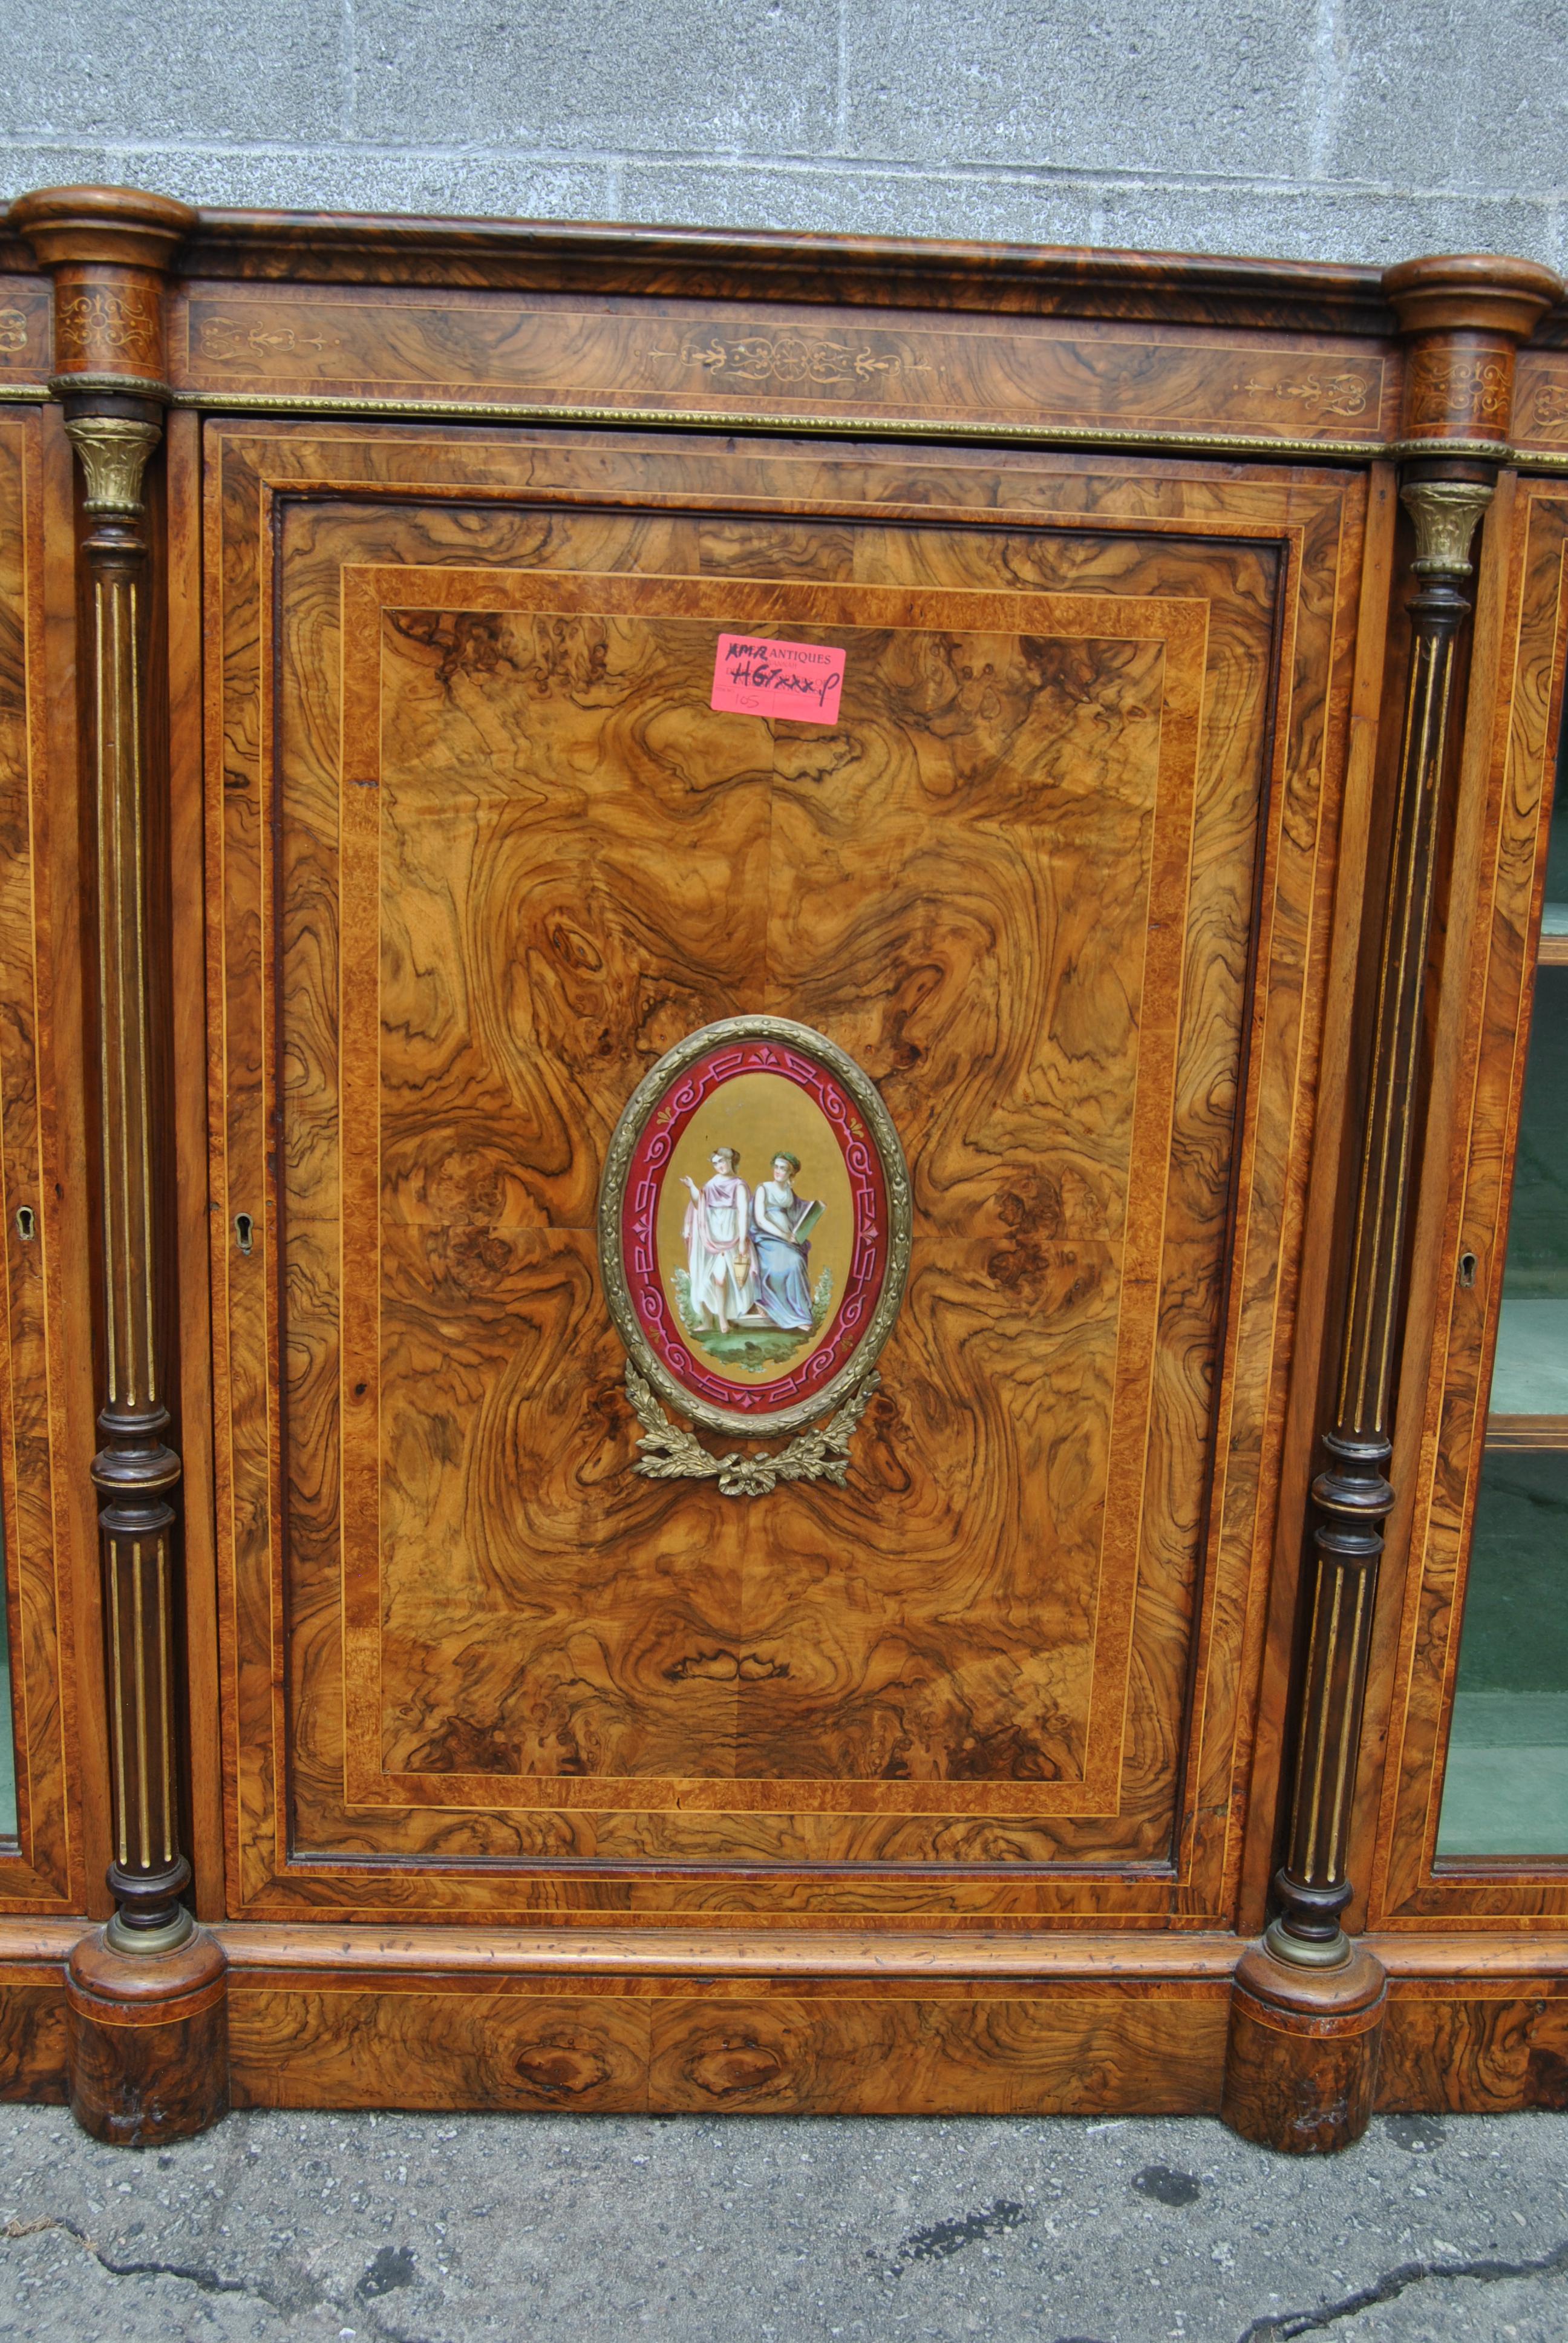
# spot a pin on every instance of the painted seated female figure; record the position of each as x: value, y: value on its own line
x: 779, y: 1219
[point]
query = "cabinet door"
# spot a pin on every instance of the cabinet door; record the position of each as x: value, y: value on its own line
x: 1476, y: 1811
x: 42, y: 1209
x: 1057, y: 878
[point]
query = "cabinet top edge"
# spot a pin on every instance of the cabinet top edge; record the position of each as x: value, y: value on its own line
x: 718, y: 262
x: 312, y: 247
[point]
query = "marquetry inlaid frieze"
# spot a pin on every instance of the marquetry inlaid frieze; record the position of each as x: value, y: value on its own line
x: 1540, y: 400
x: 24, y: 335
x: 1017, y: 375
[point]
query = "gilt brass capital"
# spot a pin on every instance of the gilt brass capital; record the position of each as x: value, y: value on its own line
x: 1445, y: 513
x: 113, y: 452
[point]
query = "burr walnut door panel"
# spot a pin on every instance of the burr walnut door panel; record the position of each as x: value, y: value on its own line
x: 42, y: 1214
x: 1057, y: 877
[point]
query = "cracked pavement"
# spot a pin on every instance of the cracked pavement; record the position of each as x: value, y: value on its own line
x: 362, y: 2229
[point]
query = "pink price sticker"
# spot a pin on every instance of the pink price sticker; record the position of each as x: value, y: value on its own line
x: 754, y: 676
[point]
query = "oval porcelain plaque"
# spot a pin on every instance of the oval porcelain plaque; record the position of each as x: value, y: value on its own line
x: 754, y: 1225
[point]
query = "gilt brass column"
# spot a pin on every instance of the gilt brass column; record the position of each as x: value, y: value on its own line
x: 146, y: 1994
x: 1307, y: 2004
x: 136, y: 1471
x: 1352, y: 1493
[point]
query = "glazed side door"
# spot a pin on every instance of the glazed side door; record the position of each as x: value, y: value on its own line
x: 1058, y: 880
x: 1471, y: 1830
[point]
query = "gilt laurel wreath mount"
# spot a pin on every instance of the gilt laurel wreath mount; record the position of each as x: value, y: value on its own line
x: 816, y: 1401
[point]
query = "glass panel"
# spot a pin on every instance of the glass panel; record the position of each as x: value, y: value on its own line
x: 1554, y: 913
x: 1506, y: 1788
x: 7, y: 1751
x: 1506, y: 1791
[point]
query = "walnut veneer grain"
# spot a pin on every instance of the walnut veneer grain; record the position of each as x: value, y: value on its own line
x: 1018, y: 881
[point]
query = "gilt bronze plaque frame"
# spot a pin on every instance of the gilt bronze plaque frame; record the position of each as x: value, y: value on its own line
x: 757, y: 1378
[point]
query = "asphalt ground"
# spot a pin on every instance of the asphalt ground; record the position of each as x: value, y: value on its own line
x: 362, y: 2229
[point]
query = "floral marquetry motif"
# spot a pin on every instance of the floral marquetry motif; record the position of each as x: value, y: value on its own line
x: 1343, y: 394
x: 1540, y: 402
x: 1472, y: 388
x: 1552, y: 408
x: 110, y: 329
x: 794, y: 359
x: 228, y: 343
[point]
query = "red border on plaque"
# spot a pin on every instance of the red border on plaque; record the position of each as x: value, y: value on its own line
x: 657, y: 1143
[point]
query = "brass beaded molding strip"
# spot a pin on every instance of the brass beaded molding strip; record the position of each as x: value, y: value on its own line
x: 283, y: 405
x: 757, y: 419
x: 864, y: 426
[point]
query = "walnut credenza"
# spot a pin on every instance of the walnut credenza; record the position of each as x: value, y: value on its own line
x: 1172, y: 869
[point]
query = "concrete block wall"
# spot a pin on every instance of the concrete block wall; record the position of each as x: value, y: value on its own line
x: 1360, y: 130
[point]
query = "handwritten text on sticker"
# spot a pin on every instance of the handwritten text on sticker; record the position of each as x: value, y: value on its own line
x: 753, y: 676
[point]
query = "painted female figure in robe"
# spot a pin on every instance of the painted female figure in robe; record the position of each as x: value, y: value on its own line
x: 779, y: 1218
x: 721, y: 1260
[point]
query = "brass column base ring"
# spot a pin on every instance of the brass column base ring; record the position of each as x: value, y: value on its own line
x: 1307, y: 1952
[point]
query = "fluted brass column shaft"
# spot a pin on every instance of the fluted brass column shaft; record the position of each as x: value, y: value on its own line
x: 135, y: 1471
